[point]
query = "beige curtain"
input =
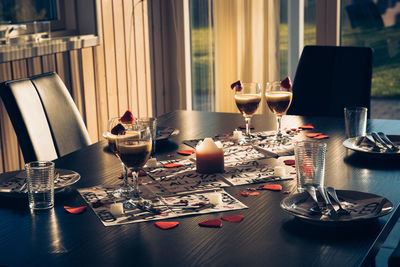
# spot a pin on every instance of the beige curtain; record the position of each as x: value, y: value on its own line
x: 246, y: 46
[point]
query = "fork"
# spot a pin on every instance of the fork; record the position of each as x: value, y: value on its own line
x: 341, y: 210
x: 379, y: 140
x: 387, y: 140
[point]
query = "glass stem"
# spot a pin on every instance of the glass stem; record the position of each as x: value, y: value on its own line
x: 279, y: 123
x: 247, y: 126
x: 126, y: 182
x: 135, y: 176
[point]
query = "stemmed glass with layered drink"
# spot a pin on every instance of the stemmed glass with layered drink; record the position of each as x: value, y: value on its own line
x: 247, y: 99
x: 279, y: 96
x: 134, y: 148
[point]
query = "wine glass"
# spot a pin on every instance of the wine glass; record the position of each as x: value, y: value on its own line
x: 134, y: 148
x: 247, y: 98
x: 111, y: 138
x: 278, y: 100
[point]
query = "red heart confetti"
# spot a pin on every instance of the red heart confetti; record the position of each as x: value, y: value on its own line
x: 201, y: 204
x: 233, y: 218
x: 306, y: 127
x: 186, y: 152
x: 243, y: 194
x: 75, y: 210
x: 286, y: 83
x: 173, y: 165
x: 289, y: 162
x: 252, y: 188
x: 216, y: 223
x: 313, y: 134
x: 166, y: 225
x: 274, y: 187
x: 321, y: 137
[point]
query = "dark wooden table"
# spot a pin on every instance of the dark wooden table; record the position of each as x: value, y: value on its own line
x: 266, y: 237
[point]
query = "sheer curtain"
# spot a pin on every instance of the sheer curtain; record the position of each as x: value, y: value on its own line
x: 246, y: 46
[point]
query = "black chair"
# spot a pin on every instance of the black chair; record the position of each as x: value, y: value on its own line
x: 47, y: 123
x: 29, y: 120
x: 66, y: 124
x: 329, y: 78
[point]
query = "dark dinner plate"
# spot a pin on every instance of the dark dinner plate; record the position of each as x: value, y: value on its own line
x: 362, y: 206
x: 12, y: 182
x: 353, y: 144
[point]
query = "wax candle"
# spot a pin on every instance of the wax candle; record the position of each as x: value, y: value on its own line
x: 209, y: 156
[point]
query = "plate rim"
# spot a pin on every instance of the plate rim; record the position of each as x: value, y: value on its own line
x: 56, y: 189
x: 338, y: 222
x: 349, y: 144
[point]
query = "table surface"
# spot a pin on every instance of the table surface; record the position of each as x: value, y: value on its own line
x: 267, y: 236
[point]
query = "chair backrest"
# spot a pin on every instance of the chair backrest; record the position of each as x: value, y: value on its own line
x: 329, y: 78
x: 66, y: 124
x: 29, y: 120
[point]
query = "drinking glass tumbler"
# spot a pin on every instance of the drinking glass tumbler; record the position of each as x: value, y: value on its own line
x: 310, y: 164
x: 40, y: 181
x: 355, y: 119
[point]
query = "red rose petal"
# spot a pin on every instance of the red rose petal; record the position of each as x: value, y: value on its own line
x: 75, y: 210
x: 173, y: 165
x: 166, y: 225
x: 127, y: 117
x: 313, y: 134
x: 211, y: 223
x: 186, y: 152
x: 274, y: 187
x: 306, y: 127
x: 237, y: 86
x: 233, y: 218
x: 286, y: 83
x: 289, y: 162
x: 321, y: 137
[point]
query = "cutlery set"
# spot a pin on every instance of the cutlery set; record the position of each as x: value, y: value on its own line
x: 326, y: 193
x: 382, y: 139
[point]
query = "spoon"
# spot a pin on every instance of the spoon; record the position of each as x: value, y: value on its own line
x: 341, y: 210
x: 315, y: 209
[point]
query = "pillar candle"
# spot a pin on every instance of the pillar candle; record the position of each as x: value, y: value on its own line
x: 209, y: 156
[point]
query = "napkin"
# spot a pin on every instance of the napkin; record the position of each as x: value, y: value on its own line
x: 275, y: 151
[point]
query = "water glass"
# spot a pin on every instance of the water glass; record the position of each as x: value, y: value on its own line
x: 310, y: 164
x: 150, y: 122
x: 40, y: 181
x: 355, y: 119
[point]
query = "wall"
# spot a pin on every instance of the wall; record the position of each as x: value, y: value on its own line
x: 104, y: 80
